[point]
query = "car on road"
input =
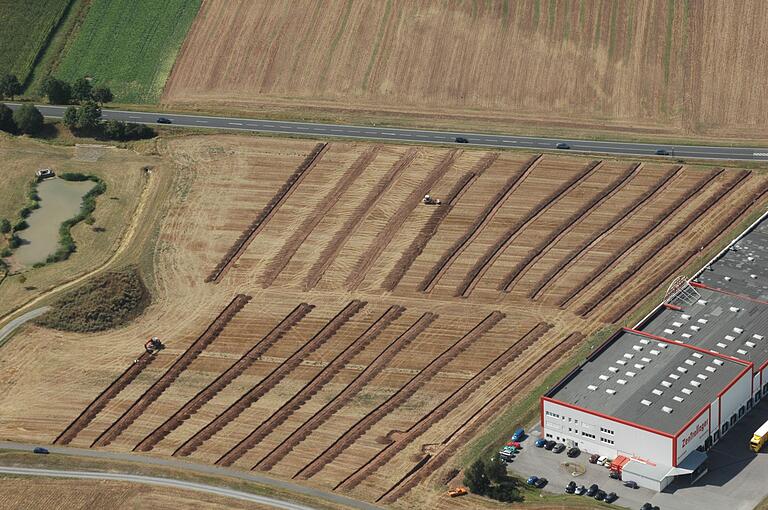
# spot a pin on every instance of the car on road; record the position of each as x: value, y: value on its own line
x: 518, y: 435
x: 164, y: 120
x: 550, y: 444
x: 532, y: 480
x: 662, y: 152
x: 611, y: 497
x: 562, y: 145
x: 573, y: 452
x: 559, y: 447
x: 592, y: 490
x: 593, y: 458
x: 631, y: 484
x: 40, y: 449
x: 541, y: 483
x: 461, y: 139
x: 540, y: 443
x: 600, y: 495
x: 580, y: 490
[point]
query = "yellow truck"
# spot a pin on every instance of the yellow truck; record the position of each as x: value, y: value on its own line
x: 759, y: 438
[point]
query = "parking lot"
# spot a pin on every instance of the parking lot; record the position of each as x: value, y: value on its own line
x: 735, y: 481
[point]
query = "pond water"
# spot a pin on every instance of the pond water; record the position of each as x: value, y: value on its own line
x: 60, y: 200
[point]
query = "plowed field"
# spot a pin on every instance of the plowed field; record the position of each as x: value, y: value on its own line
x: 352, y: 336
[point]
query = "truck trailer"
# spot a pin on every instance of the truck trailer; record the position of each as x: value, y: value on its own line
x: 759, y: 438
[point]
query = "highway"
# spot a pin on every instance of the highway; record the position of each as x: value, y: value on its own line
x: 423, y: 136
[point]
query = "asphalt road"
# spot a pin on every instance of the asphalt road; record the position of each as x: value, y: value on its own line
x: 204, y: 469
x: 151, y: 480
x: 9, y: 328
x: 423, y: 136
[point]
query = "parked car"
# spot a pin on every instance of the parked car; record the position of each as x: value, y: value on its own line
x: 540, y: 443
x: 593, y: 458
x: 607, y: 462
x: 516, y: 444
x: 562, y: 145
x: 631, y: 484
x: 611, y: 497
x: 615, y: 475
x: 646, y: 506
x: 573, y: 452
x: 559, y: 447
x: 571, y: 487
x: 518, y: 435
x: 580, y: 490
x: 461, y: 139
x: 40, y: 449
x: 532, y: 480
x: 662, y: 152
x: 592, y: 490
x: 541, y: 483
x: 164, y: 120
x: 601, y: 460
x: 600, y: 495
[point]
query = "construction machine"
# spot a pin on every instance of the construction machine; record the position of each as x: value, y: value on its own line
x: 428, y: 200
x: 457, y: 491
x: 154, y: 345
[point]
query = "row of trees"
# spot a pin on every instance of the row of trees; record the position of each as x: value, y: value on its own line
x: 25, y: 120
x: 81, y: 91
x: 86, y: 119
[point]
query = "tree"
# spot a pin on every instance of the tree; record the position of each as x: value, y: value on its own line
x: 102, y: 95
x: 89, y: 115
x: 58, y: 91
x: 5, y: 226
x: 82, y: 90
x: 10, y: 86
x: 7, y: 123
x: 28, y: 119
x: 114, y: 130
x: 475, y: 478
x: 495, y: 469
x: 71, y: 117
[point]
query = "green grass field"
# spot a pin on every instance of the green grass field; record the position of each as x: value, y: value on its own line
x: 129, y: 46
x: 26, y: 26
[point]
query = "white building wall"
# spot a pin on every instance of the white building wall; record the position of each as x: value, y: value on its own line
x: 736, y: 397
x: 714, y: 408
x: 571, y: 424
x: 693, y: 436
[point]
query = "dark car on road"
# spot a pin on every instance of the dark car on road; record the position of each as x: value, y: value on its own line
x: 461, y: 139
x: 592, y: 490
x: 40, y: 450
x: 562, y: 145
x: 559, y: 447
x: 662, y: 152
x: 631, y: 484
x: 573, y: 452
x: 593, y: 458
x: 611, y: 497
x: 164, y: 120
x: 541, y: 483
x: 549, y: 445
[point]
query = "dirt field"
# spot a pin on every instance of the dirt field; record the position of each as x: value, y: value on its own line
x: 322, y: 324
x: 651, y: 68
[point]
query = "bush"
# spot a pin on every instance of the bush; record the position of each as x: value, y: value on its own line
x: 57, y: 91
x: 28, y: 119
x: 20, y: 225
x: 102, y: 95
x: 105, y: 302
x: 5, y: 253
x: 10, y: 86
x: 82, y: 90
x: 5, y: 226
x: 117, y: 130
x: 14, y: 242
x: 7, y: 123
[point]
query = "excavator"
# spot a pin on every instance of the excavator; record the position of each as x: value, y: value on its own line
x: 457, y: 491
x: 154, y: 345
x: 428, y: 200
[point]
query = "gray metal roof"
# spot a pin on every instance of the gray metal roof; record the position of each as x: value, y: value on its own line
x: 744, y: 267
x: 718, y: 322
x: 653, y: 371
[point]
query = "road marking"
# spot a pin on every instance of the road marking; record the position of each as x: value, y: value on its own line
x: 235, y: 123
x: 133, y: 117
x: 202, y: 121
x: 760, y: 154
x: 269, y: 125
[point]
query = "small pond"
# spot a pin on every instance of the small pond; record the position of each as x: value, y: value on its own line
x: 60, y: 200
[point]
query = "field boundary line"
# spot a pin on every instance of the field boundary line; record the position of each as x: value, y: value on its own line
x: 266, y: 214
x: 460, y: 394
x: 292, y: 245
x: 428, y: 464
x: 311, y: 387
x: 271, y: 380
x: 182, y: 362
x: 225, y: 378
x: 432, y: 225
x: 481, y: 221
x: 566, y: 226
x: 342, y: 236
x: 348, y: 393
x: 396, y: 221
x: 401, y: 395
x: 617, y: 222
x: 486, y: 261
x: 629, y: 246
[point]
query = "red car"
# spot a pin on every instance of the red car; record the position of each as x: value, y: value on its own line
x: 516, y: 444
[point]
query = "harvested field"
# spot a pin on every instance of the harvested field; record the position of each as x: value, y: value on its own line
x: 381, y: 333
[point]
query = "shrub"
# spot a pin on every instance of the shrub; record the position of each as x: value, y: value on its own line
x: 20, y: 225
x: 14, y: 242
x: 57, y: 91
x: 5, y: 226
x: 7, y: 123
x: 28, y: 119
x: 5, y: 253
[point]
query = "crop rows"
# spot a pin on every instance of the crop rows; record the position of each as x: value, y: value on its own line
x: 223, y: 380
x: 181, y: 364
x: 267, y: 212
x: 348, y: 393
x: 271, y: 380
x: 474, y: 230
x: 619, y: 219
x: 569, y: 223
x: 430, y: 228
x: 454, y: 400
x: 399, y: 397
x: 489, y: 257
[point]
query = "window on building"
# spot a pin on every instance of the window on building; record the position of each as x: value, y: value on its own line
x: 604, y: 440
x: 606, y: 431
x: 587, y: 434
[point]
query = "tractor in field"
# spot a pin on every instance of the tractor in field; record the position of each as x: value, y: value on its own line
x: 154, y: 345
x: 428, y: 200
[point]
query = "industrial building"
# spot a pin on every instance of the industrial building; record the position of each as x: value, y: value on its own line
x: 663, y: 393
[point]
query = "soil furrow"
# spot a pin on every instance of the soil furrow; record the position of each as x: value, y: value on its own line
x: 223, y: 380
x: 181, y: 364
x: 489, y: 257
x: 618, y: 221
x: 266, y: 214
x: 386, y: 234
x: 533, y: 256
x: 477, y: 227
x: 271, y: 380
x: 291, y: 246
x: 312, y: 387
x: 416, y: 247
x: 334, y: 247
x: 348, y: 393
x: 399, y: 397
